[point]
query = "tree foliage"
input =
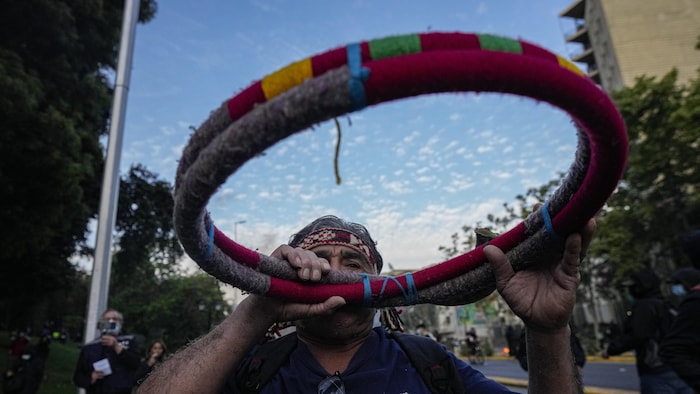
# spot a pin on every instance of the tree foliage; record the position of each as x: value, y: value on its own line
x: 186, y: 307
x: 658, y: 198
x: 146, y: 242
x: 55, y: 56
x: 157, y: 298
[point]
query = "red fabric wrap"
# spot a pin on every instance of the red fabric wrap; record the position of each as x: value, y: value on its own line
x: 454, y: 62
x: 240, y: 253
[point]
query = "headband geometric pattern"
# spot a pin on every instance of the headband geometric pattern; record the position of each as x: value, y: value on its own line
x: 337, y: 236
x: 350, y: 78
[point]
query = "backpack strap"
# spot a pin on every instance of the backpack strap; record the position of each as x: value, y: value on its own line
x: 258, y: 369
x: 665, y: 313
x: 432, y: 362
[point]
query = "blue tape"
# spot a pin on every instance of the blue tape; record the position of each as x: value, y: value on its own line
x: 548, y: 223
x: 210, y: 247
x: 412, y: 297
x: 358, y: 75
x: 410, y: 294
x: 368, y: 290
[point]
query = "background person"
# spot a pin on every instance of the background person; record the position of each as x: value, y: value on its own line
x: 649, y: 321
x: 109, y: 363
x: 421, y: 330
x: 156, y: 353
x: 472, y: 344
x: 681, y: 346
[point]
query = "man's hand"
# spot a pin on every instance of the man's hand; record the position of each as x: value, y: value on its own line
x: 95, y: 376
x: 308, y: 265
x: 542, y: 296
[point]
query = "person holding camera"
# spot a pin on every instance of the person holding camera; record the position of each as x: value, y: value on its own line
x: 109, y: 363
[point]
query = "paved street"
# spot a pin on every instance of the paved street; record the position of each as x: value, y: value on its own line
x: 596, y: 374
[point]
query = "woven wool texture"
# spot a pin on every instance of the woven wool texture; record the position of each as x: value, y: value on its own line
x: 343, y: 80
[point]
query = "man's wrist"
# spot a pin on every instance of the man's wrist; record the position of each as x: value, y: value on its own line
x: 547, y: 332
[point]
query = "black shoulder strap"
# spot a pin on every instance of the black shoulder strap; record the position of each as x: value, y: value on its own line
x: 261, y: 366
x: 666, y: 313
x: 429, y: 358
x: 433, y: 363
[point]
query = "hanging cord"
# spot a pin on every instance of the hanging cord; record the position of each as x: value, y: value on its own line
x: 337, y: 152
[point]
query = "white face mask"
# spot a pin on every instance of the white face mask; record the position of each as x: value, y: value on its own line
x: 678, y: 290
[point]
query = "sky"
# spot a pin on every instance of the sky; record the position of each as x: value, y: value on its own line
x: 413, y: 171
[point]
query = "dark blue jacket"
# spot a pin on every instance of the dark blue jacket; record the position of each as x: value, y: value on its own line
x: 123, y: 365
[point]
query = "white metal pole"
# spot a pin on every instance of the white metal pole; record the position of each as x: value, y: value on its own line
x: 99, y: 287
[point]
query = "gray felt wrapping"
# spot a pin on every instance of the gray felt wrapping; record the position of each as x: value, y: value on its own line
x: 219, y: 147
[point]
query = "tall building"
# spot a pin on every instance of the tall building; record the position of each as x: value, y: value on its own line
x: 624, y: 39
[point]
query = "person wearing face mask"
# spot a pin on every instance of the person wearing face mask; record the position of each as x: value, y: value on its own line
x: 108, y: 364
x: 681, y: 347
x: 648, y: 323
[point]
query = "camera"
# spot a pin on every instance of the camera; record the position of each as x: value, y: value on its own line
x: 109, y: 327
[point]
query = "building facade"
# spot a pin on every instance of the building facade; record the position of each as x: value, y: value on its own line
x: 620, y: 40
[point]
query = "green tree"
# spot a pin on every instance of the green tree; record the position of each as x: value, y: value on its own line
x: 157, y: 297
x: 184, y: 309
x: 55, y: 60
x: 147, y: 251
x: 658, y: 198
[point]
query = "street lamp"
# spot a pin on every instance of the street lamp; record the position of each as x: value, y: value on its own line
x: 235, y: 229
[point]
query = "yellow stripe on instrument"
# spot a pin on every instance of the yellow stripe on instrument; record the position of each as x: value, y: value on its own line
x: 570, y: 66
x: 286, y: 78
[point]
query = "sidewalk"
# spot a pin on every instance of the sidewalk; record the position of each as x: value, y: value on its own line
x: 624, y: 358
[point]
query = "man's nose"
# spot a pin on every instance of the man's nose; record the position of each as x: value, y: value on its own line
x: 335, y: 262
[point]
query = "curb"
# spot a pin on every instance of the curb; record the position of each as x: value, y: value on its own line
x: 586, y: 389
x: 611, y: 359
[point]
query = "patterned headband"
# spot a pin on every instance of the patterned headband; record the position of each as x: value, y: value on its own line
x: 337, y: 236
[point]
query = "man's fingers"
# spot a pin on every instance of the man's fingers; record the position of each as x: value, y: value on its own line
x: 333, y: 303
x: 308, y: 265
x: 587, y: 236
x: 500, y: 265
x: 572, y: 254
x: 326, y: 307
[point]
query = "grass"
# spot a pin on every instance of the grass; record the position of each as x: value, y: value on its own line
x: 58, y: 376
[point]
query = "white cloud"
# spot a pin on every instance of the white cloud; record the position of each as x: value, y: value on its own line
x: 458, y: 183
x: 500, y: 174
x: 396, y: 187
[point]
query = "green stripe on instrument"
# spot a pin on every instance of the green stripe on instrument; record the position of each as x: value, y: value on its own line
x: 394, y: 46
x: 496, y: 43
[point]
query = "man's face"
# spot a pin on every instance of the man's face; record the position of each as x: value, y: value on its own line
x: 110, y: 323
x: 345, y: 258
x: 350, y: 321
